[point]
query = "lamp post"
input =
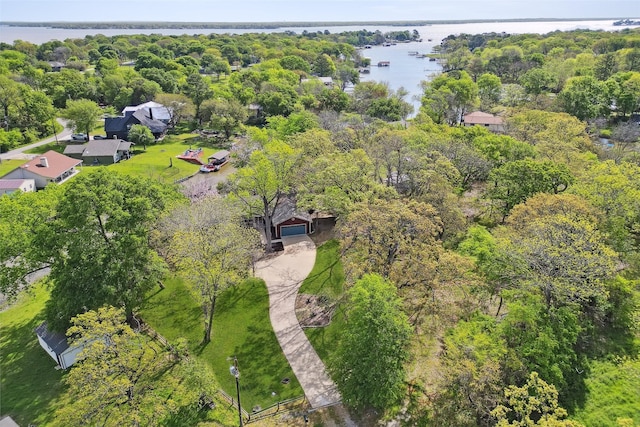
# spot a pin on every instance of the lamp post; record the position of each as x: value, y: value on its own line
x: 236, y: 373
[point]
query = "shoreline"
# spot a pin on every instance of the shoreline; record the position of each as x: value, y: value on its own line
x: 271, y: 25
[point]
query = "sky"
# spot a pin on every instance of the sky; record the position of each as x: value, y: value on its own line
x: 308, y: 11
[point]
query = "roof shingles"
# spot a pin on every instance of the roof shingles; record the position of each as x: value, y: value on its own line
x: 57, y: 164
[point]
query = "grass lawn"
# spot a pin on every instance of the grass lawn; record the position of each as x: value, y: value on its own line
x: 51, y: 146
x: 326, y: 278
x: 613, y: 393
x: 7, y: 166
x: 159, y: 160
x: 241, y: 328
x: 30, y: 385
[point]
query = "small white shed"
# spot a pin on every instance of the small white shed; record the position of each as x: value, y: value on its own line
x: 56, y: 345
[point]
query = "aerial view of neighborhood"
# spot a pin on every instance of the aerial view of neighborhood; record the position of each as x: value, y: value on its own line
x: 417, y: 224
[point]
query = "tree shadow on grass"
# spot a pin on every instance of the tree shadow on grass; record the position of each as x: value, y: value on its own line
x: 30, y: 382
x: 245, y: 331
x: 190, y: 415
x: 174, y: 314
x: 264, y: 374
x: 325, y: 339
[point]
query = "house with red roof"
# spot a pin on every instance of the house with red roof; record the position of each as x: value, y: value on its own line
x: 479, y: 118
x: 50, y: 167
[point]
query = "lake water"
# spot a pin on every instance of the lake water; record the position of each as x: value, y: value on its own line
x: 404, y: 71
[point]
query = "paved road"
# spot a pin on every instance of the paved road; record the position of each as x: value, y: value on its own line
x: 19, y: 153
x: 283, y: 275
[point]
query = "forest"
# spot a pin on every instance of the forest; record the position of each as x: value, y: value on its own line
x: 495, y: 273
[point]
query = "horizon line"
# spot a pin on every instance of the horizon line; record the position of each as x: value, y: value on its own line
x: 308, y: 23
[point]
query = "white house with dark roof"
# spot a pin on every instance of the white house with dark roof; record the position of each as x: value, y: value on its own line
x: 8, y: 186
x: 50, y: 167
x: 57, y: 346
x: 118, y: 127
x: 479, y: 118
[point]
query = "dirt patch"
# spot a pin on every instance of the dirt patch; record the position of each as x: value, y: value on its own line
x: 314, y: 311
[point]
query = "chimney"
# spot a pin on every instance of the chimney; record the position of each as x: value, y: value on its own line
x: 43, y: 162
x: 151, y: 113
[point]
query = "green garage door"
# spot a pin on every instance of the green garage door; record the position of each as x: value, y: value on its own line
x: 293, y: 230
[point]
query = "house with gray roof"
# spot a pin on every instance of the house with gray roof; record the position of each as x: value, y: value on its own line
x: 7, y: 421
x: 74, y: 151
x: 100, y: 152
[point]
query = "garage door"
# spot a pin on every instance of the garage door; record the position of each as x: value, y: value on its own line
x: 293, y: 230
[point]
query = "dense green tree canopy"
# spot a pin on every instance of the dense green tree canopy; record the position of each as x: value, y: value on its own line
x: 369, y: 364
x: 21, y: 216
x: 98, y: 244
x: 122, y: 376
x: 83, y: 115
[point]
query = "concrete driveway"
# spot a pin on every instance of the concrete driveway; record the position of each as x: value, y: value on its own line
x: 283, y: 274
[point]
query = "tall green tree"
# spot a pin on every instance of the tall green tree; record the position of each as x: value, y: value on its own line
x: 471, y: 374
x: 268, y: 177
x: 180, y: 106
x: 565, y: 259
x: 324, y: 66
x: 489, y: 90
x: 369, y: 363
x: 21, y: 216
x: 515, y: 181
x: 334, y: 182
x: 35, y: 112
x: 140, y: 135
x: 227, y: 116
x: 9, y: 98
x: 98, y: 244
x: 449, y: 97
x: 210, y: 245
x: 393, y: 238
x: 198, y: 89
x: 585, y: 97
x: 83, y: 114
x: 556, y: 136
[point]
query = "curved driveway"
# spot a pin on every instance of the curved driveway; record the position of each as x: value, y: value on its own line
x: 283, y: 275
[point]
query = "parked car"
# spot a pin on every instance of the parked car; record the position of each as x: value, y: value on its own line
x: 99, y: 137
x: 79, y: 137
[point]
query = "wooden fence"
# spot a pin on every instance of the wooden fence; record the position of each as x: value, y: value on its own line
x: 277, y: 408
